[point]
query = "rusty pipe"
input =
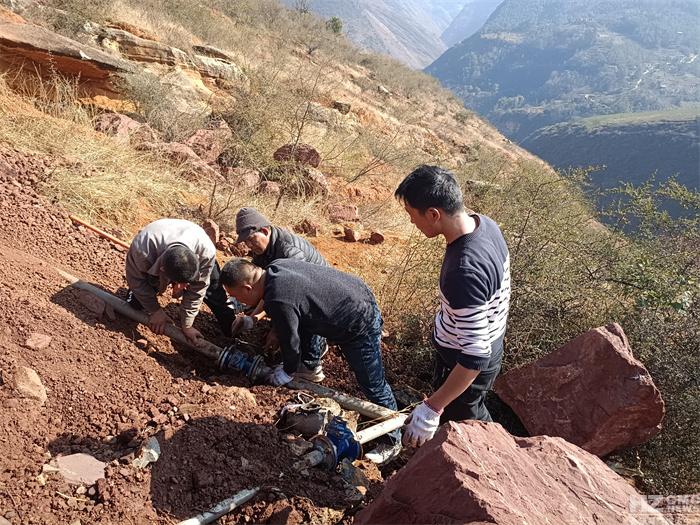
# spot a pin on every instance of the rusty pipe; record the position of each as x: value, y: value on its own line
x: 100, y: 232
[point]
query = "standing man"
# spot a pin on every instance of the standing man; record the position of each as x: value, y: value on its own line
x: 474, y: 299
x: 270, y: 243
x: 179, y: 253
x: 304, y: 300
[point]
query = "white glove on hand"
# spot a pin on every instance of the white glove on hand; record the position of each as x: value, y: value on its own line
x: 420, y: 426
x: 279, y: 377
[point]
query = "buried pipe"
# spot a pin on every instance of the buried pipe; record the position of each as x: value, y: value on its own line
x: 221, y: 508
x: 228, y: 357
x: 340, y: 442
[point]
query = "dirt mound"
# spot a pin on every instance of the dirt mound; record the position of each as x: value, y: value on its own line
x: 112, y: 384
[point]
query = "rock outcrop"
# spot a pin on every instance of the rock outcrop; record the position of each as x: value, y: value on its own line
x: 476, y: 472
x: 592, y: 392
x: 22, y: 43
x: 303, y: 154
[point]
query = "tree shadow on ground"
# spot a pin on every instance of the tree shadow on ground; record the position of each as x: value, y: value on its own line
x: 212, y: 458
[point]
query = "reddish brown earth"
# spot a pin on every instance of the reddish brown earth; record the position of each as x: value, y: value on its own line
x: 107, y: 394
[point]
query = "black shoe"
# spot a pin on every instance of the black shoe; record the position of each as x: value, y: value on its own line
x: 132, y: 301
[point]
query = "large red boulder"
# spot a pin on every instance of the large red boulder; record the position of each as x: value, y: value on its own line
x: 592, y: 392
x: 299, y: 153
x: 475, y: 472
x: 208, y: 144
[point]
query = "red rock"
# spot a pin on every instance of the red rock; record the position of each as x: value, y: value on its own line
x: 376, y: 237
x: 115, y: 124
x: 184, y: 155
x: 28, y: 384
x: 308, y: 227
x: 352, y: 234
x: 475, y: 472
x: 341, y: 107
x: 592, y: 392
x: 339, y: 213
x: 268, y: 187
x: 37, y: 341
x: 81, y: 469
x: 283, y: 513
x: 300, y: 154
x: 212, y: 230
x: 246, y: 177
x: 208, y: 144
x: 314, y: 182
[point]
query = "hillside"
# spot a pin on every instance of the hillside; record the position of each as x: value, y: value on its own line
x: 535, y: 62
x: 469, y: 20
x: 408, y: 30
x: 631, y: 147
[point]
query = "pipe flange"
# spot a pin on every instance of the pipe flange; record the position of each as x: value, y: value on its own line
x: 327, y: 448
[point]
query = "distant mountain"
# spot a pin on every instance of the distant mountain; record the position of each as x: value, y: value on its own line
x: 630, y: 146
x: 408, y: 30
x: 538, y: 62
x: 469, y: 20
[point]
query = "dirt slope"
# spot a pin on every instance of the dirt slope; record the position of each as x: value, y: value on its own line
x: 106, y: 394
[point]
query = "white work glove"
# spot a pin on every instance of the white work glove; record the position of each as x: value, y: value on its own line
x: 420, y: 426
x: 279, y: 377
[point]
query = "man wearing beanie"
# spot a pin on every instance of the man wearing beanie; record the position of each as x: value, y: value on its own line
x: 270, y: 243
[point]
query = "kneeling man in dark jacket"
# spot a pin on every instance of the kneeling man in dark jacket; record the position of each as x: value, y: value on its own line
x: 304, y: 300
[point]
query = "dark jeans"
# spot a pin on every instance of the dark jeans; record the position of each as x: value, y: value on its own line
x: 216, y: 298
x: 312, y: 347
x: 364, y: 356
x: 470, y: 404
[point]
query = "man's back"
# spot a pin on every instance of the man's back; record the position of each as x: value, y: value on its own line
x: 326, y: 301
x: 286, y: 245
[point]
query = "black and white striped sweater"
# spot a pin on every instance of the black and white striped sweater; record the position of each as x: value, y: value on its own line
x: 474, y: 295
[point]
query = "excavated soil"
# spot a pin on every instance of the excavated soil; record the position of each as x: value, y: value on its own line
x: 111, y: 384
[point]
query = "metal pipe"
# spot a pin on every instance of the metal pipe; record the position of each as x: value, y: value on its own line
x: 173, y: 332
x: 221, y: 508
x: 375, y: 431
x: 99, y: 232
x: 360, y: 406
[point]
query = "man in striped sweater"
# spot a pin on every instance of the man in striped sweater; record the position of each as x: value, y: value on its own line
x: 474, y: 299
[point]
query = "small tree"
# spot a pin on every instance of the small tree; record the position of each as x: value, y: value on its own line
x: 334, y: 25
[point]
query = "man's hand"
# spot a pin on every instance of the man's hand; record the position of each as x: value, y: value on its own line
x: 242, y: 323
x: 157, y: 321
x: 279, y: 377
x: 420, y: 426
x: 193, y: 335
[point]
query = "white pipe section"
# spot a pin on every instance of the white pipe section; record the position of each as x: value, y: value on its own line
x: 221, y: 508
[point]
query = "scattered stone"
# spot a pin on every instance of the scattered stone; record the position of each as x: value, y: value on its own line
x: 238, y: 395
x: 339, y: 213
x: 28, y: 384
x: 382, y: 90
x: 80, y: 490
x: 351, y: 234
x: 150, y: 452
x: 80, y: 468
x: 283, y: 513
x: 341, y: 107
x: 249, y: 178
x: 212, y: 230
x: 183, y: 155
x: 304, y: 154
x: 299, y: 447
x: 37, y: 341
x: 92, y: 302
x: 308, y: 227
x: 245, y: 464
x: 142, y: 343
x: 515, y: 481
x: 605, y: 399
x: 208, y: 144
x: 115, y: 124
x: 206, y: 388
x: 376, y: 237
x: 270, y: 188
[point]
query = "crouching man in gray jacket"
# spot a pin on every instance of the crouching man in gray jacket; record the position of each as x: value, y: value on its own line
x: 178, y: 253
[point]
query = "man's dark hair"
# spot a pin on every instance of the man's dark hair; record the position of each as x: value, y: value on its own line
x: 431, y: 187
x: 180, y: 264
x: 237, y: 271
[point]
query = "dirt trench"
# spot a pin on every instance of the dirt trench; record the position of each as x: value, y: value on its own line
x: 111, y: 384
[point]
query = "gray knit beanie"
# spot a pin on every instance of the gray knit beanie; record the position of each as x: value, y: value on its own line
x: 249, y: 220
